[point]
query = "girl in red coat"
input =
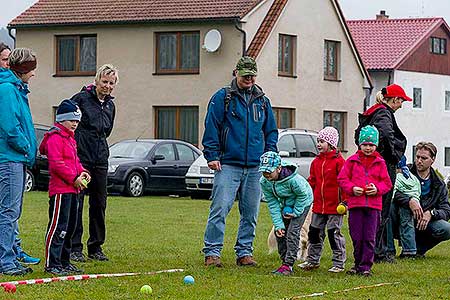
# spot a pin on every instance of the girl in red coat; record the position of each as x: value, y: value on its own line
x: 365, y: 179
x: 67, y: 178
x: 323, y: 180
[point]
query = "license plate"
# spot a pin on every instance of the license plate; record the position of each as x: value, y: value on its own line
x: 207, y: 180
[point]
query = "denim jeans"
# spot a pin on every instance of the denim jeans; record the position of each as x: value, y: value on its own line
x: 12, y: 182
x: 228, y: 183
x: 402, y: 227
x: 17, y: 241
x: 436, y: 232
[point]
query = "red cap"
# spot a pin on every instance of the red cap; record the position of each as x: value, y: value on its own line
x: 395, y: 90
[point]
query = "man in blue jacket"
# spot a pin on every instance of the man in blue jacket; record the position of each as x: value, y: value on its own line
x: 239, y: 128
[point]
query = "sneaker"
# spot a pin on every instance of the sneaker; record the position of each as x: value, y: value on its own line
x: 99, y: 255
x: 78, y: 256
x: 336, y: 269
x: 366, y: 273
x: 14, y: 272
x: 407, y: 256
x: 213, y: 261
x: 352, y: 271
x: 72, y: 269
x: 307, y: 266
x: 246, y: 261
x: 284, y: 270
x: 24, y: 268
x: 389, y: 259
x: 24, y: 258
x: 58, y: 271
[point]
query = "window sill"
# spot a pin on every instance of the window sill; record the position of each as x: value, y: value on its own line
x: 332, y: 79
x: 74, y: 74
x: 176, y: 73
x: 287, y: 75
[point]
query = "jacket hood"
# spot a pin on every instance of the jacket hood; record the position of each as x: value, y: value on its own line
x: 378, y: 157
x: 330, y: 154
x: 56, y: 129
x: 7, y: 76
x: 292, y: 167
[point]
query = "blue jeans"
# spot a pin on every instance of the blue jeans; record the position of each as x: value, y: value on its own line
x: 402, y: 226
x: 228, y: 183
x: 12, y: 182
x: 17, y: 241
x: 436, y: 232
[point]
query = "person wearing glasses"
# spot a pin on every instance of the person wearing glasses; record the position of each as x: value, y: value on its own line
x: 431, y: 213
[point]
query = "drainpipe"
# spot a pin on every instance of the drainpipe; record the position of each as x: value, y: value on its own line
x: 12, y: 36
x: 244, y: 38
x: 368, y: 91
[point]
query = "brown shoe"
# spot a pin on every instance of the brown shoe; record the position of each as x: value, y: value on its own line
x: 246, y: 261
x: 213, y: 261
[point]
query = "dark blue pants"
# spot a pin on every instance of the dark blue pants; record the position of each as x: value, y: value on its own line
x: 62, y: 214
x: 363, y: 224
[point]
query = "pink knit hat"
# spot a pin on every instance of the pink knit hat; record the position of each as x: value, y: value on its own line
x: 330, y: 135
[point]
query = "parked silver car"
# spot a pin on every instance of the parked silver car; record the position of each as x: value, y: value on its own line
x: 294, y: 145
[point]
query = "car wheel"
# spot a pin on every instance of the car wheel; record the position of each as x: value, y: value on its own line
x: 29, y: 181
x: 200, y: 194
x: 135, y: 185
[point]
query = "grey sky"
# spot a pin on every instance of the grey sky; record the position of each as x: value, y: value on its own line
x: 353, y: 9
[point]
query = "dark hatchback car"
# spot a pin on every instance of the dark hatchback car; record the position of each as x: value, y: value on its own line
x: 37, y: 177
x: 137, y: 166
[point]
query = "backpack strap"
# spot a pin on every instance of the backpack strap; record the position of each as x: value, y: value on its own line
x: 227, y: 99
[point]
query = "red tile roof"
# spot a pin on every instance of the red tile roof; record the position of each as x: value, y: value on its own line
x: 384, y: 44
x: 68, y: 12
x: 266, y: 28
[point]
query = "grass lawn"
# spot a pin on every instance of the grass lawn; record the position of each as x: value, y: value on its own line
x: 156, y: 233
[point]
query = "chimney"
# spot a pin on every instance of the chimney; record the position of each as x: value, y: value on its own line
x: 382, y: 16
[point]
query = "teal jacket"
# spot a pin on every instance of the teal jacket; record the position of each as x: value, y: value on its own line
x: 17, y: 137
x: 292, y: 191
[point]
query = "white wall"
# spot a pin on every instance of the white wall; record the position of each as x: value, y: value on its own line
x: 379, y: 81
x: 429, y: 123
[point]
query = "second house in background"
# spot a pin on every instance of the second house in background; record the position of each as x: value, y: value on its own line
x: 312, y: 74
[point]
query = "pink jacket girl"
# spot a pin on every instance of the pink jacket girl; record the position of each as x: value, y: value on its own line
x: 64, y: 166
x: 361, y: 170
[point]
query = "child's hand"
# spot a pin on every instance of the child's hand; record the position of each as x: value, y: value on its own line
x: 288, y: 216
x: 86, y: 176
x: 280, y: 233
x: 371, y: 189
x: 78, y: 184
x: 358, y: 191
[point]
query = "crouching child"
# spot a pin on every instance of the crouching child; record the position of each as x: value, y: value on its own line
x: 67, y: 179
x: 289, y: 197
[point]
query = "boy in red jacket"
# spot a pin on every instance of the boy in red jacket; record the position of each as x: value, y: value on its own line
x: 67, y: 178
x: 365, y: 179
x: 323, y: 180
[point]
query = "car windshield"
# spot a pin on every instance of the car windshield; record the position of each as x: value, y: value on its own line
x: 130, y: 149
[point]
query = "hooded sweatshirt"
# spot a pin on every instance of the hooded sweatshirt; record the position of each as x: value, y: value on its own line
x: 293, y: 191
x: 64, y: 165
x: 17, y: 136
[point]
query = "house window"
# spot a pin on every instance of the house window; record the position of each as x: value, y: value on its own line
x: 284, y: 117
x: 331, y: 60
x: 177, y: 52
x: 417, y: 98
x: 76, y: 55
x: 177, y: 122
x: 336, y: 120
x: 447, y: 100
x: 286, y: 57
x: 438, y: 45
x: 54, y: 109
x: 447, y: 156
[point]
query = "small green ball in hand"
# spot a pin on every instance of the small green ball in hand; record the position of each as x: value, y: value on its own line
x: 341, y: 209
x: 146, y: 289
x: 84, y: 182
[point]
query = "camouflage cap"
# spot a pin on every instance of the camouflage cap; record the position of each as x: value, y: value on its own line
x: 246, y: 66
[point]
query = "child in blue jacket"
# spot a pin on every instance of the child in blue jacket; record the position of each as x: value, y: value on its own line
x: 289, y: 197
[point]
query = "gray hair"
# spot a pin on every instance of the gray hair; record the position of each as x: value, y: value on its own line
x: 107, y: 69
x: 21, y: 55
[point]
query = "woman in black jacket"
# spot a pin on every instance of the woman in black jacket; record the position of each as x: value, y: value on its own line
x: 98, y: 112
x: 392, y: 146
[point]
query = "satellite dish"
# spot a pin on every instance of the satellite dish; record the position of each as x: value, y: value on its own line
x: 212, y: 40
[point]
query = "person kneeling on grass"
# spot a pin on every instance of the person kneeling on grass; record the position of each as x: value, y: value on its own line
x: 289, y: 197
x: 67, y: 179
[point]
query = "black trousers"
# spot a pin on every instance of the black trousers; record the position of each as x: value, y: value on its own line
x: 62, y: 213
x: 97, y: 208
x: 381, y: 244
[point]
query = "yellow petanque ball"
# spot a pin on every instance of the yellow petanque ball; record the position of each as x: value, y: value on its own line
x: 341, y: 209
x: 146, y: 289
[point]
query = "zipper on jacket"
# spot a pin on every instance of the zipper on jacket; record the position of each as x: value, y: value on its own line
x: 246, y: 129
x: 321, y: 188
x: 367, y: 199
x: 275, y: 191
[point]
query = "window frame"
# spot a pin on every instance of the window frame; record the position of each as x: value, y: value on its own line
x: 335, y: 76
x: 442, y: 45
x: 414, y: 98
x: 293, y: 47
x: 277, y: 115
x: 77, y: 71
x: 177, y: 121
x: 342, y: 130
x: 447, y: 95
x: 178, y: 55
x: 446, y: 158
